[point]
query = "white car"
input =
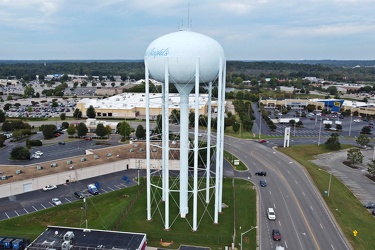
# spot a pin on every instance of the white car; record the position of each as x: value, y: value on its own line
x: 271, y: 214
x: 38, y: 153
x: 56, y: 201
x: 356, y: 120
x: 49, y: 187
x: 36, y: 156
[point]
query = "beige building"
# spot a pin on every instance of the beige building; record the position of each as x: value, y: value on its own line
x: 133, y: 105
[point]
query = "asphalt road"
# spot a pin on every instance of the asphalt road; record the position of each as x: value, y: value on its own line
x: 301, y: 215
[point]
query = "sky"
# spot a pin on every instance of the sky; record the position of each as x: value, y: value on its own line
x: 246, y: 29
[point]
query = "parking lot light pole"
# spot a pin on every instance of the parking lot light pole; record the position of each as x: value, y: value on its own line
x: 242, y: 233
x: 350, y: 125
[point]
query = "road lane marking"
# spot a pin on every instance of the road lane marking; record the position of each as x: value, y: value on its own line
x: 16, y: 213
x: 332, y: 247
x: 68, y: 200
x: 35, y: 208
x: 7, y: 215
x: 303, y: 194
x: 25, y: 210
x: 296, y: 182
x: 280, y: 223
x: 311, y: 208
x: 321, y: 225
x: 43, y: 206
x: 110, y: 188
x: 286, y: 245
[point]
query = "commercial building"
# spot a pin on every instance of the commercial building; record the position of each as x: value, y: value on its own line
x: 67, y: 238
x: 133, y: 105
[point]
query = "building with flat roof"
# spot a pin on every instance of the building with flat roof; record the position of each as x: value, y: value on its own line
x: 133, y: 105
x: 67, y: 238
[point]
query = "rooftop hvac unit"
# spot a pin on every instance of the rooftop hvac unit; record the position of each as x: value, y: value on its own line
x: 68, y: 236
x: 65, y: 245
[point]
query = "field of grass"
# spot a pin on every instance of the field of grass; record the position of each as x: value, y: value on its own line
x: 347, y: 209
x: 124, y: 210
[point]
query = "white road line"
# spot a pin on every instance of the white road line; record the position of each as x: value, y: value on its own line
x: 288, y: 172
x: 110, y: 188
x: 295, y: 181
x: 286, y: 245
x: 7, y: 215
x: 332, y: 247
x: 280, y: 223
x: 303, y: 194
x: 321, y: 225
x: 270, y: 193
x: 35, y: 208
x: 25, y: 210
x: 67, y: 200
x: 16, y: 213
x: 51, y: 204
x: 311, y: 208
x: 43, y: 206
x: 105, y: 191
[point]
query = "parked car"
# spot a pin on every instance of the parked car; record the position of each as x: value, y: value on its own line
x: 263, y: 183
x: 56, y: 201
x: 38, y: 153
x: 61, y: 142
x: 262, y: 141
x: 79, y: 195
x: 276, y: 234
x: 49, y: 187
x: 369, y: 205
x: 261, y: 173
x: 88, y: 138
x: 271, y: 214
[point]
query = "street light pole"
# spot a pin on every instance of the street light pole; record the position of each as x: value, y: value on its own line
x: 320, y: 130
x: 350, y: 125
x: 242, y: 233
x: 329, y: 185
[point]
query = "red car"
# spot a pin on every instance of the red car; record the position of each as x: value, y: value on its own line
x: 88, y: 138
x: 276, y: 234
x: 262, y: 141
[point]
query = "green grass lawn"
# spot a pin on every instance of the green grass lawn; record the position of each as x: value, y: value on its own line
x: 347, y: 209
x: 124, y: 210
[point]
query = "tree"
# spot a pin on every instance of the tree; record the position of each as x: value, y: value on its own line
x: 108, y: 130
x: 363, y: 140
x: 366, y: 130
x: 333, y: 142
x: 140, y: 132
x: 65, y: 125
x: 100, y: 130
x: 90, y: 112
x: 371, y: 167
x: 355, y: 156
x: 2, y: 140
x: 7, y: 126
x: 71, y: 129
x: 7, y: 106
x: 124, y: 129
x: 29, y: 91
x: 48, y: 130
x: 20, y: 153
x: 62, y: 116
x: 82, y: 129
x: 158, y: 127
x: 77, y: 114
x: 236, y: 127
x: 2, y: 116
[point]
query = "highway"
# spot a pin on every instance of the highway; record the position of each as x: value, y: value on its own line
x: 301, y: 215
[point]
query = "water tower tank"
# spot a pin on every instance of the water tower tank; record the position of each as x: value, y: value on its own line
x: 182, y: 49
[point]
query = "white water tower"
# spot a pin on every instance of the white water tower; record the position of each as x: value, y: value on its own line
x: 186, y: 59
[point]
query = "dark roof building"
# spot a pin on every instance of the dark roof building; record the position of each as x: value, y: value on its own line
x: 65, y: 238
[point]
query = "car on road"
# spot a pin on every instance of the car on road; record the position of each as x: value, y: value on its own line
x: 262, y: 141
x: 38, y: 153
x: 271, y: 214
x: 49, y: 187
x: 261, y: 173
x: 61, y: 142
x: 356, y: 120
x: 369, y: 205
x: 35, y: 156
x: 56, y: 201
x: 263, y: 183
x: 88, y: 138
x: 79, y: 195
x: 276, y: 234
